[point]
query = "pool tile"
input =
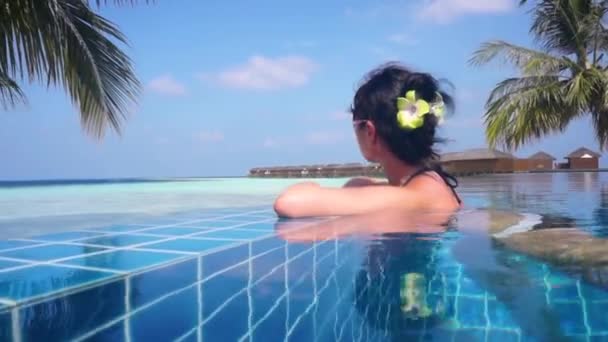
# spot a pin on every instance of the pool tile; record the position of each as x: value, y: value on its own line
x: 124, y: 260
x: 273, y: 325
x: 191, y: 337
x: 500, y: 316
x: 469, y: 287
x: 470, y: 335
x: 4, y: 264
x: 217, y: 290
x: 6, y: 330
x: 593, y: 294
x: 570, y: 317
x: 39, y: 280
x: 122, y: 240
x: 597, y: 317
x: 233, y: 234
x: 249, y: 218
x: 119, y: 228
x: 226, y: 326
x: 113, y: 333
x: 267, y: 293
x: 189, y: 245
x: 211, y: 224
x: 9, y: 244
x: 265, y: 265
x: 218, y: 261
x: 302, y: 329
x: 502, y: 336
x: 167, y: 320
x: 564, y: 292
x: 263, y: 245
x: 150, y: 285
x: 50, y: 252
x: 263, y: 226
x: 471, y: 312
x: 64, y: 318
x: 66, y: 236
x: 173, y: 231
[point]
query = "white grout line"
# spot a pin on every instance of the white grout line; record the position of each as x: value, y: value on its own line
x: 286, y: 280
x: 199, y: 297
x: 249, y: 286
x: 127, y: 323
x: 8, y: 302
x: 187, y: 334
x: 15, y: 326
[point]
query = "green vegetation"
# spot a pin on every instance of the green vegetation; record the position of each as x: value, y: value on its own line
x: 565, y: 79
x: 66, y: 43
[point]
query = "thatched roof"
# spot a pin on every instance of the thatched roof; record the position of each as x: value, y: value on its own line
x: 475, y: 154
x: 582, y: 152
x: 541, y: 156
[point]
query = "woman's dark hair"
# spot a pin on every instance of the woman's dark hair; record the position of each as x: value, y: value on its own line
x: 376, y: 100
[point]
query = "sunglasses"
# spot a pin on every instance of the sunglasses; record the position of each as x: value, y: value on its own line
x: 359, y: 122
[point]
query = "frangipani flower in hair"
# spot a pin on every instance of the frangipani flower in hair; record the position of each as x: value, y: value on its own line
x: 411, y: 110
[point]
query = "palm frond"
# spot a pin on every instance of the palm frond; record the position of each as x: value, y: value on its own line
x: 10, y: 92
x: 600, y: 124
x: 559, y: 25
x: 65, y: 43
x: 121, y: 2
x: 529, y: 61
x: 99, y: 75
x: 527, y: 112
x: 584, y: 89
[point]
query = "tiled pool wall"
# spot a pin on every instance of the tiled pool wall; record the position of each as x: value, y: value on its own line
x: 251, y: 290
x: 224, y: 276
x: 214, y: 277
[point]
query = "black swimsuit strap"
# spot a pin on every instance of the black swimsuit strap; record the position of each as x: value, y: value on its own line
x: 449, y: 180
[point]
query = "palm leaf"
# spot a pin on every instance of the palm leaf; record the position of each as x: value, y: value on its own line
x: 100, y: 76
x: 529, y: 61
x: 120, y: 2
x: 528, y: 109
x: 600, y: 124
x: 10, y: 92
x: 559, y: 25
x: 65, y: 43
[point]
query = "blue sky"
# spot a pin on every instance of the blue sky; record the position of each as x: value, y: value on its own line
x: 230, y: 85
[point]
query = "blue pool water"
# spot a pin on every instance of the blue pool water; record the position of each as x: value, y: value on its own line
x: 217, y: 272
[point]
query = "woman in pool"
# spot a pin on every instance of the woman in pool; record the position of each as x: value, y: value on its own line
x: 395, y: 116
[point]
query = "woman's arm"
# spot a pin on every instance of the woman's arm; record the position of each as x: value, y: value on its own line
x: 312, y: 200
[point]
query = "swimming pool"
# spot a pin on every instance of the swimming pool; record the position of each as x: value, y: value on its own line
x: 222, y: 274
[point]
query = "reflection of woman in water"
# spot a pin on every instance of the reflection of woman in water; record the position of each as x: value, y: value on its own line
x: 401, y: 290
x: 392, y: 288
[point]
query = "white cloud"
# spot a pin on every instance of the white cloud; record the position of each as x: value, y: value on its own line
x: 263, y: 73
x: 167, y: 85
x: 402, y: 39
x: 445, y: 10
x: 323, y: 138
x: 210, y: 136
